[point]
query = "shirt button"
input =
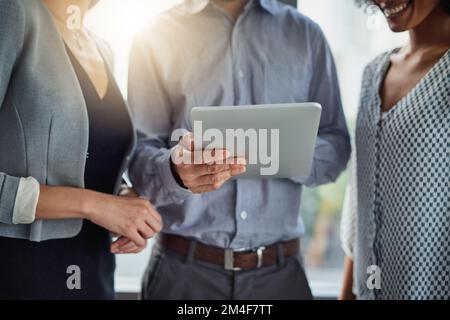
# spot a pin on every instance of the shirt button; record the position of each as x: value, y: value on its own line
x: 241, y: 74
x: 244, y: 215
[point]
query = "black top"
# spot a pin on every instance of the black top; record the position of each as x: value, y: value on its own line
x: 39, y: 270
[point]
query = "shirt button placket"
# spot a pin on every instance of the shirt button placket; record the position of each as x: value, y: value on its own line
x: 241, y: 74
x: 238, y: 63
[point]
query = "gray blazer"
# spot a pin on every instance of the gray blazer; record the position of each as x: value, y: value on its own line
x: 43, y: 118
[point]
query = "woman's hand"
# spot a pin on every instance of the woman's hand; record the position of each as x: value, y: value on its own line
x: 131, y: 218
x: 123, y: 245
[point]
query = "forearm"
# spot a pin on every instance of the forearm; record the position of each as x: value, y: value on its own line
x: 65, y: 203
x: 128, y: 217
x: 347, y: 286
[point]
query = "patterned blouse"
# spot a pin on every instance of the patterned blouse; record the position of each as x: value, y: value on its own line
x: 400, y: 221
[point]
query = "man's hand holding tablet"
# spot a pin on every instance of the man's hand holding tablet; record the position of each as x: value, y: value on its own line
x: 205, y: 170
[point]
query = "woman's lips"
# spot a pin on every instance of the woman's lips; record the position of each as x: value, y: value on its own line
x: 396, y: 10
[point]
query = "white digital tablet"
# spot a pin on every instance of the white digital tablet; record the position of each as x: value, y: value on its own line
x: 277, y: 140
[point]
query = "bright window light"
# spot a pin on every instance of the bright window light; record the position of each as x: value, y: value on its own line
x: 117, y: 21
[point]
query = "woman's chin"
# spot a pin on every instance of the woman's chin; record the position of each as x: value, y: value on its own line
x: 400, y: 21
x: 398, y: 28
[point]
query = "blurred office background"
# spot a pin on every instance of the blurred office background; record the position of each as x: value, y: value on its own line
x: 356, y: 36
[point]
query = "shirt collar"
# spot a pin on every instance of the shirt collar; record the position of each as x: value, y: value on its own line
x: 196, y: 6
x: 269, y: 5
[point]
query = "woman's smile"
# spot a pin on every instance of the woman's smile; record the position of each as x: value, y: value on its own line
x: 394, y: 9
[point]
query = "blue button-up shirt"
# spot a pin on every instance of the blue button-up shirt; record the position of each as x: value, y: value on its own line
x: 195, y: 55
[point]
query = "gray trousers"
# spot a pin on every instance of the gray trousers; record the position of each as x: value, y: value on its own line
x: 173, y: 277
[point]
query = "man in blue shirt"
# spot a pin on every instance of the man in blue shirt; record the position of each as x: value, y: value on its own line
x: 228, y: 239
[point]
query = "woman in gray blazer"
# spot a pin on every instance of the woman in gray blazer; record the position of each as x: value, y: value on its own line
x: 65, y: 140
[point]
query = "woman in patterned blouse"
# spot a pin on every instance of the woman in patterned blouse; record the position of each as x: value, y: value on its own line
x: 396, y: 234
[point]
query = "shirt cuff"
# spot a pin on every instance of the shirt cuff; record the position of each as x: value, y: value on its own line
x: 176, y: 191
x: 27, y: 198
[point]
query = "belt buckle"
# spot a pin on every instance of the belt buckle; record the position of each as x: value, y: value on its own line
x: 229, y: 258
x: 259, y: 254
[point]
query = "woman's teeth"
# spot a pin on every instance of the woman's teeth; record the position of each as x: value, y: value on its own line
x: 388, y: 12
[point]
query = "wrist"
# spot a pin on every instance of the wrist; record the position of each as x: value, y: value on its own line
x: 89, y: 203
x: 174, y: 170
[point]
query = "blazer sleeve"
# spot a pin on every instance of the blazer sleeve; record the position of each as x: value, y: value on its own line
x: 18, y: 195
x: 12, y: 26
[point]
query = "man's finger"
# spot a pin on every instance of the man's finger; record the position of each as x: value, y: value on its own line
x: 238, y: 170
x: 213, y: 179
x: 208, y: 169
x: 182, y: 156
x: 187, y: 142
x: 237, y: 161
x: 215, y: 156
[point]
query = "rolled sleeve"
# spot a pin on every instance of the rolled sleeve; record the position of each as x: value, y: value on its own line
x: 8, y: 192
x: 18, y: 199
x: 26, y: 201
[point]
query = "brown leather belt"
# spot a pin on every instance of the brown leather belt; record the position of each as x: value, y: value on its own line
x: 231, y: 260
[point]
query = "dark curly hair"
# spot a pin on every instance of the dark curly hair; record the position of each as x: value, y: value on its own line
x: 445, y: 4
